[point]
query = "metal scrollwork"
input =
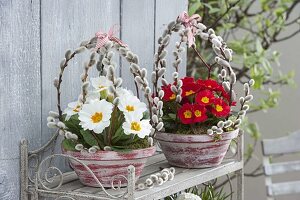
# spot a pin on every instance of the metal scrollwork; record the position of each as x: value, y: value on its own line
x: 119, y: 182
x: 47, y: 182
x: 64, y: 198
x: 33, y: 160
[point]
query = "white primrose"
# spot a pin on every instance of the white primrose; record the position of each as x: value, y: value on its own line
x: 92, y: 95
x: 188, y: 196
x: 101, y: 83
x: 130, y: 105
x: 96, y: 115
x: 134, y: 125
x: 123, y: 92
x: 72, y: 109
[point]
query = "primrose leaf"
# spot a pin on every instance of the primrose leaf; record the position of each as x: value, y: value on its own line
x: 69, y: 144
x: 88, y: 137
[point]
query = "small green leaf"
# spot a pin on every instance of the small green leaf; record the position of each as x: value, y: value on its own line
x: 73, y: 124
x: 194, y: 7
x: 120, y: 149
x: 69, y: 144
x: 88, y: 137
x: 146, y: 115
x: 172, y: 116
x: 259, y: 48
x: 118, y: 135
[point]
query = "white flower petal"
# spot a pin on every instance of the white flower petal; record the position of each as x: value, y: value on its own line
x: 96, y: 107
x: 101, y: 83
x: 101, y: 126
x: 145, y: 127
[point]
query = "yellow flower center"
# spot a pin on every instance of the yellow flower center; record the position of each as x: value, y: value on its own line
x: 187, y: 93
x: 135, y: 126
x: 187, y: 114
x: 76, y: 109
x: 198, y: 113
x: 129, y: 108
x: 101, y: 86
x: 219, y: 108
x: 205, y: 99
x: 97, y: 117
x: 173, y: 96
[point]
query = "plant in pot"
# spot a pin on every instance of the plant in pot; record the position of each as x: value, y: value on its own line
x: 108, y: 128
x: 198, y: 115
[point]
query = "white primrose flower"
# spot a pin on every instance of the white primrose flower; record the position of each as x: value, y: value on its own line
x: 96, y: 115
x: 188, y: 196
x: 122, y: 92
x: 92, y: 95
x: 72, y: 109
x: 130, y: 105
x: 101, y: 83
x: 134, y: 125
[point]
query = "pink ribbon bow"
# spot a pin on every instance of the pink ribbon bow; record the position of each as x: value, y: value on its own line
x: 103, y: 38
x: 189, y: 22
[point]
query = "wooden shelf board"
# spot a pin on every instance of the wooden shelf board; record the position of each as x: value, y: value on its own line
x: 184, y: 178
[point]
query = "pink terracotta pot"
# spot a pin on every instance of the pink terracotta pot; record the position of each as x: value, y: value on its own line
x: 107, y: 164
x: 194, y: 151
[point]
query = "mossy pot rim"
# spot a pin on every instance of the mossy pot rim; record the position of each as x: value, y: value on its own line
x: 112, y: 155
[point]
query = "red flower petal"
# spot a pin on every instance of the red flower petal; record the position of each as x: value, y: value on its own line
x: 169, y: 95
x: 189, y: 86
x: 205, y: 97
x: 185, y: 114
x: 220, y: 108
x: 209, y: 84
x: 199, y: 113
x: 188, y: 79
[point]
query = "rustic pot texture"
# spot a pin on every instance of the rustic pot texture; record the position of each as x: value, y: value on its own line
x: 107, y: 164
x: 194, y: 151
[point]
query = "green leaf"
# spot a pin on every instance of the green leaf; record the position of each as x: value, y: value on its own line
x: 118, y: 135
x: 146, y: 115
x: 259, y: 48
x: 237, y: 47
x: 194, y: 7
x: 73, y: 124
x: 214, y: 10
x: 88, y: 138
x: 121, y: 149
x: 172, y: 116
x: 253, y: 131
x: 69, y: 144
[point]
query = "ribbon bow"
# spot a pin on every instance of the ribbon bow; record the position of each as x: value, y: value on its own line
x: 189, y: 22
x: 103, y: 38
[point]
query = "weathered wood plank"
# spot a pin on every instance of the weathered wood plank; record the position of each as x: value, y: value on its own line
x: 20, y: 101
x: 282, y: 145
x: 162, y: 18
x: 284, y: 188
x: 137, y: 30
x: 9, y: 179
x: 64, y: 25
x: 19, y: 75
x: 283, y: 167
x: 188, y: 179
x: 184, y: 178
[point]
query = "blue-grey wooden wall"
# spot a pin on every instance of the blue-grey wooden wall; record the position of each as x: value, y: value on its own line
x: 34, y: 35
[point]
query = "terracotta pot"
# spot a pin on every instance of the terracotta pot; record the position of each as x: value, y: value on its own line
x: 106, y: 164
x: 194, y: 151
